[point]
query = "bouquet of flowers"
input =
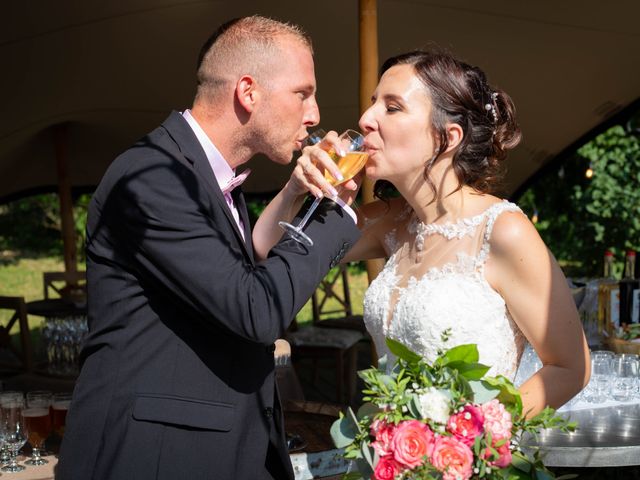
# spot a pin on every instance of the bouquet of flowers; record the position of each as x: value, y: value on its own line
x: 444, y: 420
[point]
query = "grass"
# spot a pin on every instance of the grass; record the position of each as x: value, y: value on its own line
x: 23, y: 277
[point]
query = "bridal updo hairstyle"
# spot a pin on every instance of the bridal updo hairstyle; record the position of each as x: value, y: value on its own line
x: 460, y: 94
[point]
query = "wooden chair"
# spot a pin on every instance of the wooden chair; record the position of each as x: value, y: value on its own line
x: 334, y: 333
x: 58, y: 282
x: 18, y: 313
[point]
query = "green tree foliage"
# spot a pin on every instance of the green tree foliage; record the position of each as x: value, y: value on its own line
x: 580, y: 217
x: 32, y: 225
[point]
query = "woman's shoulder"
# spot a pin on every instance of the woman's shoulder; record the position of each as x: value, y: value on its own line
x: 512, y: 232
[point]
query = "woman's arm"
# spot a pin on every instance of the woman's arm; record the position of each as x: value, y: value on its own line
x: 525, y: 273
x: 305, y: 178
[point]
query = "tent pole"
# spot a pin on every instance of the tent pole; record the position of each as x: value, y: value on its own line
x: 60, y: 140
x: 368, y: 81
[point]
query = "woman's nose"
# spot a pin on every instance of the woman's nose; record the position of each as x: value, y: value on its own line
x: 366, y: 122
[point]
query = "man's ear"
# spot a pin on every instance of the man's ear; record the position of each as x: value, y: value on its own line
x: 247, y: 92
x: 454, y: 135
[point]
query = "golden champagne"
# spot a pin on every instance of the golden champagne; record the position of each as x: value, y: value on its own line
x: 349, y: 165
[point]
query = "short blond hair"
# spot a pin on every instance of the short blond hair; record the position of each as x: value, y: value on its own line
x: 244, y: 46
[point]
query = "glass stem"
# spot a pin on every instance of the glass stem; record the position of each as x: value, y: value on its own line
x: 307, y: 216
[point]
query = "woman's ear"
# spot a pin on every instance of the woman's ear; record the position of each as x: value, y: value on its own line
x: 454, y: 136
x: 247, y: 92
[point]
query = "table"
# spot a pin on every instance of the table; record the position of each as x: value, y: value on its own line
x: 56, y: 307
x: 606, y: 437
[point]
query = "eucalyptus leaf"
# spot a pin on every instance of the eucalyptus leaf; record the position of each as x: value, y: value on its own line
x: 483, y: 391
x: 344, y: 431
x: 367, y: 410
x: 521, y: 462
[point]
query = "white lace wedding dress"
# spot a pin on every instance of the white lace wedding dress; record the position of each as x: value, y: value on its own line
x: 434, y: 282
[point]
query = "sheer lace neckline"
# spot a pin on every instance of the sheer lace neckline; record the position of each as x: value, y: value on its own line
x: 459, y: 229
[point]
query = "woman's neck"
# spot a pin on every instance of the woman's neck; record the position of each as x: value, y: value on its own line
x: 448, y: 200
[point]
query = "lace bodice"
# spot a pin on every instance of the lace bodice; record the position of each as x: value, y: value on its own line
x: 434, y: 281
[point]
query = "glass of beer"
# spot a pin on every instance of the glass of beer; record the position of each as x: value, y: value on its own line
x: 349, y: 165
x: 61, y: 402
x: 37, y: 418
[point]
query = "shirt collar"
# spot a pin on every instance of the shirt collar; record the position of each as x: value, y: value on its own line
x: 221, y: 169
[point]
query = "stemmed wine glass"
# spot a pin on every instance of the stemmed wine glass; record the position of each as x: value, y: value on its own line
x: 16, y: 433
x: 350, y: 164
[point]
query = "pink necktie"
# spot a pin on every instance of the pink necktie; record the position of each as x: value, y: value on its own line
x: 226, y: 191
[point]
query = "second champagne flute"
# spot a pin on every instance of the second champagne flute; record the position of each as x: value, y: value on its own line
x: 350, y: 164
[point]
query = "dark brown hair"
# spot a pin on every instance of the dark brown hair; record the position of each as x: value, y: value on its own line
x: 460, y: 94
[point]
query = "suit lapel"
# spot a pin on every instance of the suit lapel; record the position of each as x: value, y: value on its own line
x: 238, y: 198
x: 181, y: 132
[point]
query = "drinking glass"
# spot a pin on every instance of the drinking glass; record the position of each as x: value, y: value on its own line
x: 625, y: 368
x: 601, y: 370
x: 61, y: 402
x: 16, y: 432
x: 37, y: 419
x: 349, y: 165
x: 5, y: 397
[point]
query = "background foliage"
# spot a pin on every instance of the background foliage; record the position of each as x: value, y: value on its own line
x: 579, y: 218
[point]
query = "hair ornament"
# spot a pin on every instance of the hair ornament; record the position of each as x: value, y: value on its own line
x: 491, y: 107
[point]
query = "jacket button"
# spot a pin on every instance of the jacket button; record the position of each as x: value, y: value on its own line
x: 268, y: 412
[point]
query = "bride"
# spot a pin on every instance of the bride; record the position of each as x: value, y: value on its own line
x: 463, y: 265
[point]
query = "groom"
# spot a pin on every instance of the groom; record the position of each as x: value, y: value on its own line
x: 178, y: 373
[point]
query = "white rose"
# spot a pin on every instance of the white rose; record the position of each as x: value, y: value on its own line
x: 434, y: 404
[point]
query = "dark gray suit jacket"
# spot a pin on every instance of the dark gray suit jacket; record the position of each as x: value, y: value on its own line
x: 178, y: 374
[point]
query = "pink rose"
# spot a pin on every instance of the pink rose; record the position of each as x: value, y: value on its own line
x: 504, y: 453
x: 384, y: 433
x: 386, y: 469
x: 466, y: 425
x: 412, y: 441
x: 497, y: 420
x: 453, y: 458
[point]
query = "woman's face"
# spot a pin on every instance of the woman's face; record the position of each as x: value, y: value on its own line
x: 397, y: 127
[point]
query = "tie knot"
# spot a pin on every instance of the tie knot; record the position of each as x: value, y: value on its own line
x: 235, y: 181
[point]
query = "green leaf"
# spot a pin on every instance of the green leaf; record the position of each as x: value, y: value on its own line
x: 400, y: 351
x: 470, y: 371
x: 344, y: 431
x: 461, y: 353
x: 521, y: 462
x: 509, y: 395
x: 368, y: 454
x: 544, y: 475
x: 367, y: 410
x: 483, y: 391
x: 352, y: 476
x: 415, y: 409
x: 567, y: 476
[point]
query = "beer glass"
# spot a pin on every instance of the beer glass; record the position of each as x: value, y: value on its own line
x: 61, y: 402
x: 37, y: 419
x: 16, y: 432
x: 349, y: 165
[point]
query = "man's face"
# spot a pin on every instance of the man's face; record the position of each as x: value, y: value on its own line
x: 289, y: 106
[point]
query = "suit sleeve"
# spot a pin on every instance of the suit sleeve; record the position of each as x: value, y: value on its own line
x: 158, y: 220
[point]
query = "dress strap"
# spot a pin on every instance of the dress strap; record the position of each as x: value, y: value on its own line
x: 492, y: 215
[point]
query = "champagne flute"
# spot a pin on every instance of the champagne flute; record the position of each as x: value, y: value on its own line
x: 349, y: 165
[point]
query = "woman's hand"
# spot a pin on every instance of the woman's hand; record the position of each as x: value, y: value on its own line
x: 308, y: 175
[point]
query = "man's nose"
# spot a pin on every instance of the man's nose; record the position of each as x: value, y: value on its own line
x: 312, y: 115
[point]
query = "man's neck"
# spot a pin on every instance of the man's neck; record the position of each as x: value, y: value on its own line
x: 222, y: 131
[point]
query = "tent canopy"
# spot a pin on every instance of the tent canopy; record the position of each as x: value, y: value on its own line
x: 111, y: 71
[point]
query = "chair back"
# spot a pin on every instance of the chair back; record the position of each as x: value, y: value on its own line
x: 61, y: 283
x: 17, y: 313
x: 332, y: 297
